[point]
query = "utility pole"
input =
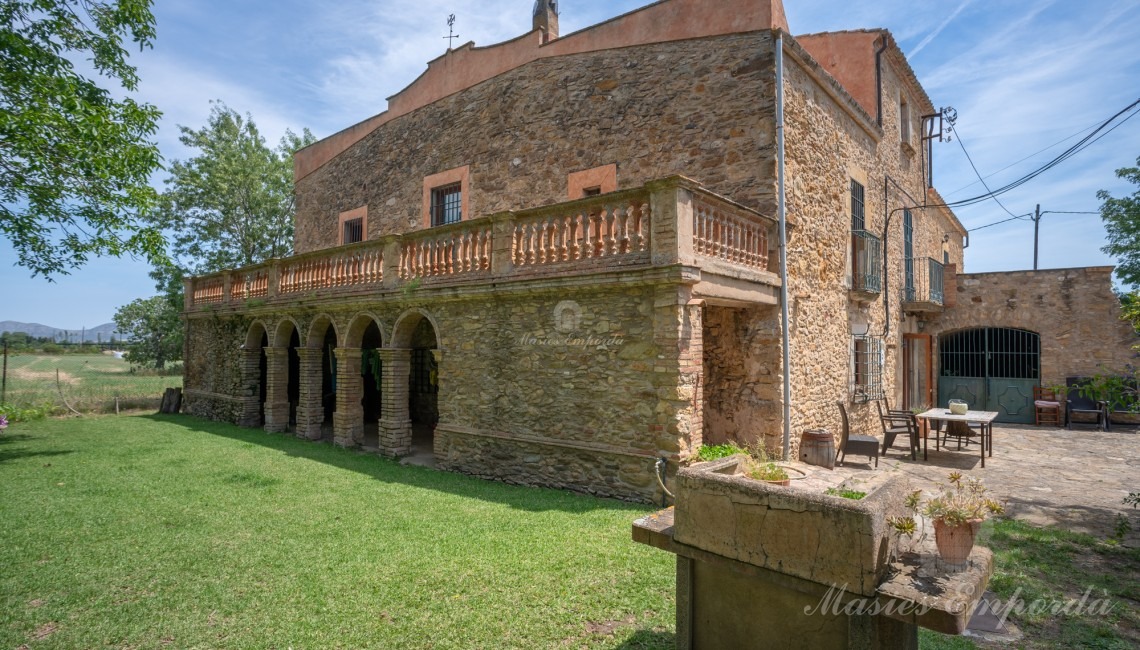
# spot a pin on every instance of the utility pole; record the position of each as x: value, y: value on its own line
x: 4, y: 381
x: 1036, y: 230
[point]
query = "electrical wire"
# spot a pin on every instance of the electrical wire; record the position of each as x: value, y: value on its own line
x: 979, y: 175
x: 1017, y: 162
x: 1081, y: 145
x: 999, y: 222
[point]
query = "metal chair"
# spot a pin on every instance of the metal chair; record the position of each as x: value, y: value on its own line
x: 861, y: 445
x: 1046, y: 407
x: 896, y: 422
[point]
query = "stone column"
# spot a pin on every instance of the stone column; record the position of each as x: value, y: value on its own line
x: 395, y: 422
x: 348, y: 420
x: 672, y: 222
x: 310, y: 413
x: 250, y: 388
x: 678, y: 372
x: 439, y: 444
x: 277, y: 390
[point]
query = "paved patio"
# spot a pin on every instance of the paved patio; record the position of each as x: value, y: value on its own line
x: 1075, y: 479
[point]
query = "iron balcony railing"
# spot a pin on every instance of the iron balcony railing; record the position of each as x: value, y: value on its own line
x: 866, y: 262
x: 923, y: 281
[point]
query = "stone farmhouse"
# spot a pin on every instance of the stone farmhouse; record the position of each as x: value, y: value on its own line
x: 556, y: 260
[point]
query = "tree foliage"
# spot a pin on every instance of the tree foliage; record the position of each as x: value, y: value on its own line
x: 231, y: 205
x: 74, y: 161
x: 1121, y: 218
x: 155, y: 328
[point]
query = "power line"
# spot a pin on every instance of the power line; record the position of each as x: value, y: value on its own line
x: 1062, y: 140
x: 1021, y: 216
x: 979, y: 175
x: 1081, y: 145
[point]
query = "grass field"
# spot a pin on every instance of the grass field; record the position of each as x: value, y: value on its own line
x: 89, y: 382
x: 148, y: 532
x: 170, y: 531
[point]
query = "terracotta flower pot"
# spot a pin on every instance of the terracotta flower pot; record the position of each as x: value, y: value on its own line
x: 955, y: 542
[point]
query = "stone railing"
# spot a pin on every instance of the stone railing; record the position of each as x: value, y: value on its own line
x: 611, y: 229
x: 721, y: 231
x: 666, y: 222
x: 458, y: 249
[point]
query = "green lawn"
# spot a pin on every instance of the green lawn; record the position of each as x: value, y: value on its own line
x: 150, y: 532
x: 1048, y: 566
x: 89, y: 382
x: 170, y: 531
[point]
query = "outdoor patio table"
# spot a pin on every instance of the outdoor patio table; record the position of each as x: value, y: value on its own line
x: 985, y: 418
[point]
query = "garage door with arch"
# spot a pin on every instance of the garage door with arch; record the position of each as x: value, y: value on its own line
x: 991, y: 369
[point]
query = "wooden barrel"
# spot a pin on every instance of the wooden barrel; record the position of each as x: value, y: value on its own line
x: 817, y: 447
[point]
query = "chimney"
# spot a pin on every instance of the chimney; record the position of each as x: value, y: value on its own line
x: 546, y: 19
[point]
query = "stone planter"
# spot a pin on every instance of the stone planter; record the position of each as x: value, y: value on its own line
x: 955, y: 542
x: 804, y: 533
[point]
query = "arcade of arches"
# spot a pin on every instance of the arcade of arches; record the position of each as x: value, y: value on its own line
x: 356, y: 387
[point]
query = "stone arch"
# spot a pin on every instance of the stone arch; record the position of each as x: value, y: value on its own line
x: 283, y: 376
x: 405, y: 327
x: 254, y: 374
x: 356, y: 327
x: 317, y: 329
x: 284, y: 332
x: 253, y: 336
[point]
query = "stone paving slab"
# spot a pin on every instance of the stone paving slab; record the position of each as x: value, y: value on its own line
x: 1046, y: 476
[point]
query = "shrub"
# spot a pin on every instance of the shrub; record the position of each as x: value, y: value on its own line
x: 714, y: 452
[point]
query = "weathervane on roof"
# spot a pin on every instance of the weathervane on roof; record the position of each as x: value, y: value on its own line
x: 451, y: 35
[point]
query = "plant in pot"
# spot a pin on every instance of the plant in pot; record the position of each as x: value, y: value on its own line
x: 957, y: 510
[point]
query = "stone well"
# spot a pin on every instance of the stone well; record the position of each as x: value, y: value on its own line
x: 761, y: 565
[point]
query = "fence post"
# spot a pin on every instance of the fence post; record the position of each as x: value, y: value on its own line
x: 4, y: 381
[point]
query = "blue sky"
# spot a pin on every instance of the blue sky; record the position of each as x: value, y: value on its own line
x: 1024, y: 77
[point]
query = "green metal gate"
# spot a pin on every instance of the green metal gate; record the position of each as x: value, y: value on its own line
x: 991, y: 369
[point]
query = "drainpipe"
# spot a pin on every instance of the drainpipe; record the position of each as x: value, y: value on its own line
x: 781, y: 208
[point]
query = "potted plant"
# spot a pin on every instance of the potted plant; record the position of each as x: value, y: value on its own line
x: 957, y: 511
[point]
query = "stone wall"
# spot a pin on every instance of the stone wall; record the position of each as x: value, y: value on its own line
x: 701, y: 107
x: 742, y: 382
x: 830, y: 140
x: 212, y: 375
x: 588, y: 402
x: 1074, y: 311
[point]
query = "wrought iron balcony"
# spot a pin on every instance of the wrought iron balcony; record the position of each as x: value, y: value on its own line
x: 668, y: 223
x: 922, y: 285
x: 866, y: 262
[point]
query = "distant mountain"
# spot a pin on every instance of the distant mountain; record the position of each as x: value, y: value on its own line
x: 36, y: 330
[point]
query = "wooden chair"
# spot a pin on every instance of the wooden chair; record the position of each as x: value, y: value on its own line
x: 896, y: 422
x: 1047, y: 407
x: 868, y: 445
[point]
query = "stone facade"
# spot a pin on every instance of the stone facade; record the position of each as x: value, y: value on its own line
x: 574, y: 343
x: 701, y: 108
x: 1075, y: 312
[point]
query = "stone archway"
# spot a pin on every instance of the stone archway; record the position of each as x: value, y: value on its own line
x: 411, y: 368
x: 317, y: 401
x: 282, y: 377
x: 359, y: 377
x: 254, y: 371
